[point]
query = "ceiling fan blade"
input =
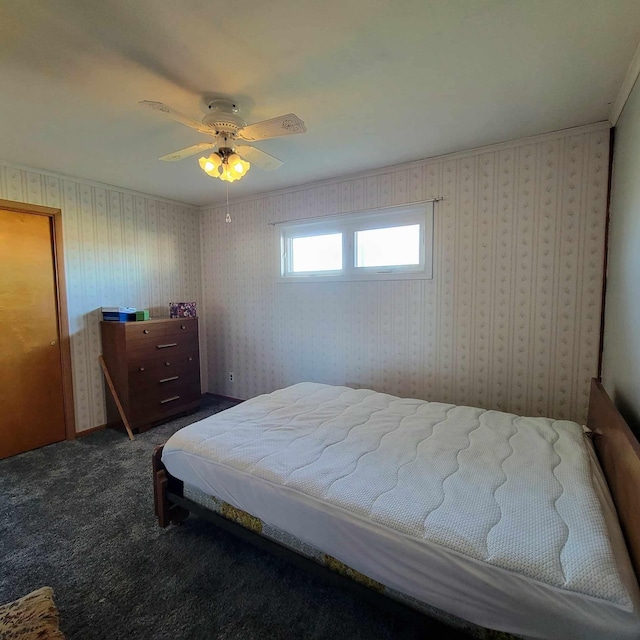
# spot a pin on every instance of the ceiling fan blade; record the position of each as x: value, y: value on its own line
x: 189, y: 151
x: 177, y: 116
x: 281, y: 126
x: 259, y: 158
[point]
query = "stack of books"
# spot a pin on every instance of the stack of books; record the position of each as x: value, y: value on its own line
x: 118, y: 314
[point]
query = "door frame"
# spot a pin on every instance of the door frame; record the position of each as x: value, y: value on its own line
x: 61, y: 303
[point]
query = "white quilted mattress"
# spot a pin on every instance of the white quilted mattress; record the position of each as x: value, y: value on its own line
x: 487, y: 515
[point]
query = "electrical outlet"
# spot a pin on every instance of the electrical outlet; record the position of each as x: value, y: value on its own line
x: 230, y: 376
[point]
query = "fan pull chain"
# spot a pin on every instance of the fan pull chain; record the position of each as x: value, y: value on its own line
x: 228, y: 218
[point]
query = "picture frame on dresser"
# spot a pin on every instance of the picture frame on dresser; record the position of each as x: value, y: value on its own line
x: 152, y: 371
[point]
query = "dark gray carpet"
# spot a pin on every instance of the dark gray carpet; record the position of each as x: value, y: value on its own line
x: 78, y: 516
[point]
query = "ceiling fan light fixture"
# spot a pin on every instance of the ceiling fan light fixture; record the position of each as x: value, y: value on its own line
x: 224, y: 165
x: 230, y: 175
x: 238, y: 165
x: 211, y: 164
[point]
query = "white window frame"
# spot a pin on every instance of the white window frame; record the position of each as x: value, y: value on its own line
x: 348, y: 224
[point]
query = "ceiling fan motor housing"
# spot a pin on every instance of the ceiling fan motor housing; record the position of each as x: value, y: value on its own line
x: 224, y: 116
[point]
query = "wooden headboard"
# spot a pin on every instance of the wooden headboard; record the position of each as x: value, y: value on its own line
x: 619, y: 453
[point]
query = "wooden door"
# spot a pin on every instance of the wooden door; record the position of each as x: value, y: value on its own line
x: 31, y: 393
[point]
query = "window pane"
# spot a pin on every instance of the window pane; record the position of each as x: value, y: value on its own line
x: 388, y: 247
x: 317, y: 253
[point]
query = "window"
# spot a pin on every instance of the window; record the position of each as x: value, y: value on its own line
x: 379, y: 245
x: 311, y: 254
x: 390, y: 247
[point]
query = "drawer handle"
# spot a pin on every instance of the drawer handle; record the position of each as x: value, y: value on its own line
x: 169, y: 379
x: 145, y: 331
x: 170, y: 399
x: 167, y: 364
x: 140, y: 368
x: 190, y: 358
x: 165, y: 346
x: 182, y: 326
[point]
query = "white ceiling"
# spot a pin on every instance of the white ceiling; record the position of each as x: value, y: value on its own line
x: 377, y: 82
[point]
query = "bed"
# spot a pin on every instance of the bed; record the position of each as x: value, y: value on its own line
x: 501, y: 520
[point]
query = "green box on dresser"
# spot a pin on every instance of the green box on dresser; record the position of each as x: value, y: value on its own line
x: 155, y: 369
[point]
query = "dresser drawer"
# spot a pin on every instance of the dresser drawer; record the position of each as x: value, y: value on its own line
x: 149, y: 356
x: 162, y: 399
x: 162, y: 373
x: 155, y: 333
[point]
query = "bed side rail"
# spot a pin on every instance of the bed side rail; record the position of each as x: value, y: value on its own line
x: 164, y: 484
x: 619, y: 453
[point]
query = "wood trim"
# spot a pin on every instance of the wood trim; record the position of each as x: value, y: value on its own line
x: 605, y: 260
x: 24, y: 207
x: 88, y: 432
x: 61, y: 299
x: 618, y: 451
x: 63, y: 325
x: 217, y: 395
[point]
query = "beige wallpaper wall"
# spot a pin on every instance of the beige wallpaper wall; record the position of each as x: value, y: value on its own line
x: 510, y: 320
x: 121, y: 248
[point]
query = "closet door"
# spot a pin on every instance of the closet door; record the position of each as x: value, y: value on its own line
x: 31, y: 393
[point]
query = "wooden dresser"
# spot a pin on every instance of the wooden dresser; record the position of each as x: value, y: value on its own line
x: 155, y: 369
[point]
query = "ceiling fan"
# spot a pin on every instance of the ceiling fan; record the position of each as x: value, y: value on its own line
x: 224, y: 124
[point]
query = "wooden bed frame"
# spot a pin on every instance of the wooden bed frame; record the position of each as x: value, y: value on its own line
x: 617, y: 449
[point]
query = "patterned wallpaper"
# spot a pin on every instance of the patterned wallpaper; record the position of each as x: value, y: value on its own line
x: 121, y: 248
x: 510, y: 320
